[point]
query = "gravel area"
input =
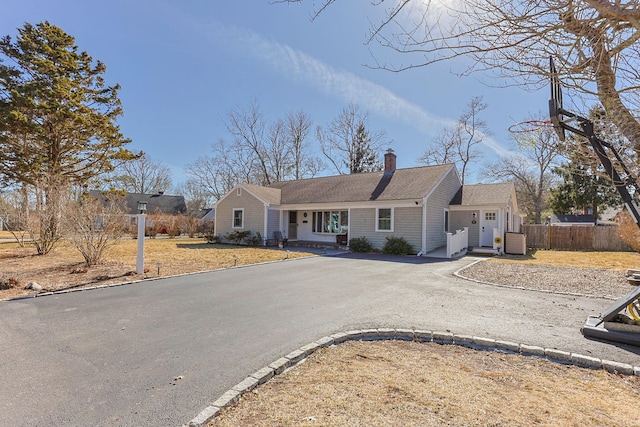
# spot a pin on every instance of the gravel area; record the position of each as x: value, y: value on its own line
x: 611, y: 284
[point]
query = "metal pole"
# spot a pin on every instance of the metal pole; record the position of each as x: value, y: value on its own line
x: 140, y: 257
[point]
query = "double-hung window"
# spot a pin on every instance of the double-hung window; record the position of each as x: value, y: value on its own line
x: 238, y: 218
x: 384, y: 219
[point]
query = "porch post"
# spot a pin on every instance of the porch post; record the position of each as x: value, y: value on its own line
x: 424, y: 225
x: 265, y: 225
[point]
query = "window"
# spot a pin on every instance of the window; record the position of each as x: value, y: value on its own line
x: 446, y: 220
x: 384, y: 219
x: 489, y: 216
x: 334, y: 222
x: 238, y: 218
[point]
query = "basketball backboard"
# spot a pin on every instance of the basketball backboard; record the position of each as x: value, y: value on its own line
x: 555, y: 102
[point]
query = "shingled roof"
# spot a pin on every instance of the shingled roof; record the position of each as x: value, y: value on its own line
x: 266, y: 194
x: 156, y: 203
x: 483, y: 194
x: 403, y: 184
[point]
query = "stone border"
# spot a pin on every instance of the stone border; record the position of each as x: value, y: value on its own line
x: 458, y: 274
x: 232, y: 396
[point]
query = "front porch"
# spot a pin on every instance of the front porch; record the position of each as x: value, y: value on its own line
x: 441, y: 252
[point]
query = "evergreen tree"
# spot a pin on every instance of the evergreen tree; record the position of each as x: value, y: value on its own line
x: 57, y: 119
x: 363, y: 157
x: 586, y: 184
x: 583, y: 188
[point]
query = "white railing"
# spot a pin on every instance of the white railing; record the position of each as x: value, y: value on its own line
x: 457, y: 242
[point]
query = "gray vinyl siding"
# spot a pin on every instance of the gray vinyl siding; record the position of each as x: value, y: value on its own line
x: 460, y: 219
x: 273, y: 222
x: 253, y: 213
x: 362, y: 224
x: 437, y: 202
x: 406, y: 224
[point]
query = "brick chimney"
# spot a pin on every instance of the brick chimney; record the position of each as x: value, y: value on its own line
x: 389, y: 161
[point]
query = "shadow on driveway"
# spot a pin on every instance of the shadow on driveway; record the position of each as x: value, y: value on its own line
x: 405, y: 259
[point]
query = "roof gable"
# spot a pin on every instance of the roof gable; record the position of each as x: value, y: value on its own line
x: 267, y: 195
x: 484, y: 194
x: 403, y: 184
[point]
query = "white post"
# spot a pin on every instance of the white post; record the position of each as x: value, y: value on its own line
x: 140, y: 257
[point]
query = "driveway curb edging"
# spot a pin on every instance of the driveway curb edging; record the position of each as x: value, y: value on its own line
x: 298, y: 356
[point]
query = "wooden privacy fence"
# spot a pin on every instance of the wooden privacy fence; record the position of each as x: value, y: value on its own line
x: 574, y: 237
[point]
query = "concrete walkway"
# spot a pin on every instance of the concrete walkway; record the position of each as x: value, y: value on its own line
x: 159, y: 352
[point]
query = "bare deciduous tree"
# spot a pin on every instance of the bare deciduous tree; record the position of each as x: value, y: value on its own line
x: 348, y: 144
x: 248, y: 128
x: 13, y: 215
x: 594, y: 43
x: 298, y: 125
x: 459, y: 143
x: 261, y: 153
x: 93, y: 225
x: 143, y: 175
x: 530, y: 169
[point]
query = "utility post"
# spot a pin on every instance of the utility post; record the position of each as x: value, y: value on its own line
x: 142, y: 208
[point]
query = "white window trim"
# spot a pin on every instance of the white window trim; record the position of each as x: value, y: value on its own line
x: 378, y: 221
x: 233, y: 218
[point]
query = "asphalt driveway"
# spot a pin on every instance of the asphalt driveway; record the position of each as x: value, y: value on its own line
x: 156, y: 353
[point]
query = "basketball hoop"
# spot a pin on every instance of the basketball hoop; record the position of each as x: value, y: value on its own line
x: 529, y: 126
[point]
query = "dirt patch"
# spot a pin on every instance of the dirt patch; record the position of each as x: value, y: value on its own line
x: 426, y: 384
x: 598, y: 282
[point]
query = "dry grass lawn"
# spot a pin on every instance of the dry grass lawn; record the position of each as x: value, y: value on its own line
x: 64, y: 267
x: 607, y: 260
x: 396, y: 383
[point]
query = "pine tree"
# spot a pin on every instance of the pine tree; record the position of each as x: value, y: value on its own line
x: 363, y: 157
x: 57, y: 119
x: 583, y: 188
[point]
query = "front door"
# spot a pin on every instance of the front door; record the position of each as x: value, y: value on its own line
x: 488, y: 221
x: 293, y: 225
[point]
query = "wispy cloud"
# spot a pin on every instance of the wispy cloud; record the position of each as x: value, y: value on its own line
x: 331, y: 81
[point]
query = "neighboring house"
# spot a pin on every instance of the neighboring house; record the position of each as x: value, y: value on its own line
x: 205, y: 215
x: 567, y: 220
x: 413, y: 203
x: 159, y: 203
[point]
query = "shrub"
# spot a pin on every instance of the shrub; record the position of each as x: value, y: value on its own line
x: 397, y: 246
x: 360, y: 244
x: 188, y: 224
x: 237, y: 236
x: 211, y: 237
x: 255, y: 240
x: 8, y: 282
x: 628, y: 231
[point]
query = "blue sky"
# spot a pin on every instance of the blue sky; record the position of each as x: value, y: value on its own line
x: 183, y: 65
